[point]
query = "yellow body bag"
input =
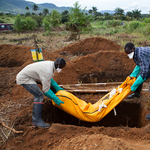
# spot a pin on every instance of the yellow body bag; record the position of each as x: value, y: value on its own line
x: 37, y: 55
x: 92, y: 112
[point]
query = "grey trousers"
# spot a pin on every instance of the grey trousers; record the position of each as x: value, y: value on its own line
x: 35, y: 91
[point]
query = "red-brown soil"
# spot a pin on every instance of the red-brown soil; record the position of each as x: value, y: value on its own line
x: 88, y: 61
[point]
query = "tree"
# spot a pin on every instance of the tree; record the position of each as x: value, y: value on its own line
x: 1, y: 13
x: 45, y: 11
x: 40, y: 14
x: 38, y: 19
x: 23, y: 24
x: 129, y: 14
x: 94, y: 10
x: 55, y: 18
x: 27, y: 14
x: 18, y: 24
x: 52, y: 20
x: 90, y: 11
x: 35, y: 8
x: 65, y: 16
x: 65, y: 12
x: 27, y: 8
x: 99, y: 14
x: 78, y: 21
x: 107, y: 16
x: 118, y: 12
x: 136, y: 13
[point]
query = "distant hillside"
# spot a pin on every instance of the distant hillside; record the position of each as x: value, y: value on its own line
x: 108, y: 11
x: 18, y: 7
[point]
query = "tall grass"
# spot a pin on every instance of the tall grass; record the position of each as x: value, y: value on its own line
x: 137, y: 32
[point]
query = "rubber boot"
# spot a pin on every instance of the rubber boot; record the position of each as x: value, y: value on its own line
x: 137, y: 92
x: 134, y: 95
x: 147, y: 117
x: 36, y: 116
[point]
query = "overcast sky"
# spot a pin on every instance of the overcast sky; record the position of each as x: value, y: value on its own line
x: 126, y: 5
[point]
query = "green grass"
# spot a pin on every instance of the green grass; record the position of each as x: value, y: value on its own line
x: 121, y: 35
x: 7, y: 19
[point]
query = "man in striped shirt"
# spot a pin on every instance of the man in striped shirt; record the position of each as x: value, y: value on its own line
x: 141, y: 56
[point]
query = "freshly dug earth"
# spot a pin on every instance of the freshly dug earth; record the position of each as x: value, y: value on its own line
x: 91, y: 60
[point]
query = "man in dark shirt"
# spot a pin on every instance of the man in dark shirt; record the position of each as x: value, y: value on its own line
x: 141, y: 56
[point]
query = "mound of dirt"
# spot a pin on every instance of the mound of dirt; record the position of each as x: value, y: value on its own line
x: 89, y: 61
x: 102, y: 66
x: 18, y: 56
x: 67, y: 137
x: 90, y: 45
x: 77, y: 70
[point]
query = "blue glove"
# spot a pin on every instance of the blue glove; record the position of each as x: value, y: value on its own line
x: 137, y: 82
x: 52, y: 96
x: 135, y: 71
x: 55, y: 85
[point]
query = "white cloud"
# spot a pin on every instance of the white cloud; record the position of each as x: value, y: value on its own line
x: 145, y: 8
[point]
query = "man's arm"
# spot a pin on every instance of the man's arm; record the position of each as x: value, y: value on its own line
x: 52, y: 96
x: 135, y: 71
x: 55, y: 85
x: 137, y: 82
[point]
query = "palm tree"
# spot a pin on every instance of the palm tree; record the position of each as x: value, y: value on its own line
x: 90, y: 11
x: 94, y: 10
x: 136, y: 13
x: 27, y: 13
x: 35, y: 8
x: 45, y: 11
x: 118, y: 12
x: 27, y: 8
x: 106, y: 14
x: 129, y: 13
x: 99, y: 14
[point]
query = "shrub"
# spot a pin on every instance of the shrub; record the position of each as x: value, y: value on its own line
x: 29, y: 23
x: 1, y: 14
x: 55, y: 18
x: 46, y: 23
x: 146, y: 30
x: 64, y: 18
x: 101, y: 22
x: 18, y: 26
x: 1, y: 21
x: 38, y: 19
x: 27, y: 14
x: 24, y: 24
x: 52, y: 20
x: 147, y: 20
x: 114, y: 23
x: 135, y: 25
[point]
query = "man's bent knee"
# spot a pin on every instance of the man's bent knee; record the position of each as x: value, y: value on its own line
x: 39, y: 98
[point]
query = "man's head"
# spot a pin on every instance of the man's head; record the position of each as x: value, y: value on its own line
x: 129, y: 50
x: 59, y: 64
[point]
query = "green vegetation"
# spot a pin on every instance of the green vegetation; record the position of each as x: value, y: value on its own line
x: 22, y: 6
x: 77, y: 22
x: 7, y: 19
x: 52, y: 20
x: 24, y: 24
